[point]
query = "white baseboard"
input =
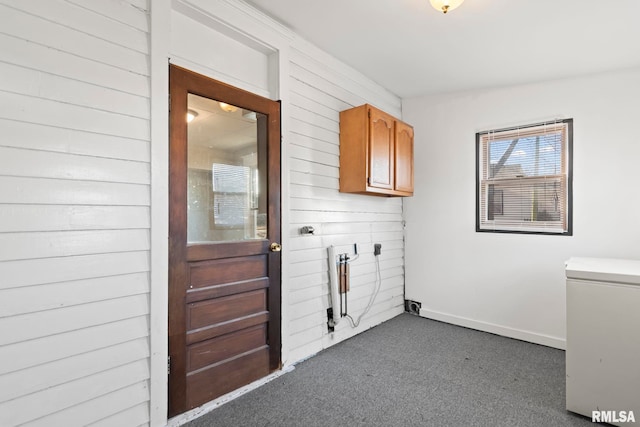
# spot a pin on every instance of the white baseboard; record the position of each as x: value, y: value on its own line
x: 505, y: 331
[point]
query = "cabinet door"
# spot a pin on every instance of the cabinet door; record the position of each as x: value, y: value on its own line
x: 381, y: 149
x: 404, y: 157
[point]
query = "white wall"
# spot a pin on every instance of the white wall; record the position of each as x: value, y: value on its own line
x: 83, y: 194
x: 74, y: 213
x: 314, y: 88
x: 506, y: 283
x: 319, y: 88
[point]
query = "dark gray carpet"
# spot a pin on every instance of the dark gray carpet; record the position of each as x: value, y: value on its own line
x: 412, y: 371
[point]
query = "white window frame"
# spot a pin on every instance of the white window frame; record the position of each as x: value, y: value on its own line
x: 562, y: 180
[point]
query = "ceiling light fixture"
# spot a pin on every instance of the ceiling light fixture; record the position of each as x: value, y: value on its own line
x: 228, y: 108
x: 445, y: 6
x: 191, y: 114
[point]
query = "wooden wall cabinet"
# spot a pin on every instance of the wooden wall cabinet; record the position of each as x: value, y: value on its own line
x: 376, y: 153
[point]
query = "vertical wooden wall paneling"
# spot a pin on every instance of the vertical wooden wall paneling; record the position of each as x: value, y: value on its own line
x: 159, y: 39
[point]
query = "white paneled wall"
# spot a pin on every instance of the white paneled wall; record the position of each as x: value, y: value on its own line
x: 74, y: 212
x: 320, y: 87
x: 193, y: 34
x: 75, y: 197
x: 314, y: 88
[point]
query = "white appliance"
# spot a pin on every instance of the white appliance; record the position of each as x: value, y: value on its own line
x: 603, y: 338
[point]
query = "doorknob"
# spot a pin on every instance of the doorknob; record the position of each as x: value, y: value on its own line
x: 275, y: 247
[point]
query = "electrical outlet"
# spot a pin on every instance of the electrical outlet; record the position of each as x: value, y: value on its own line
x: 331, y: 326
x: 412, y: 307
x: 377, y: 248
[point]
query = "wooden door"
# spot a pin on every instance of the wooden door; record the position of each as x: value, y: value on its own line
x: 224, y: 228
x: 404, y: 157
x: 381, y: 149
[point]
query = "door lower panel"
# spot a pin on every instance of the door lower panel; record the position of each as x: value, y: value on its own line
x: 213, y: 381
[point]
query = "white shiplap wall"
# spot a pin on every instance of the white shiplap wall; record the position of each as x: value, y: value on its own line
x: 314, y: 88
x: 319, y: 88
x: 74, y: 212
x: 75, y: 197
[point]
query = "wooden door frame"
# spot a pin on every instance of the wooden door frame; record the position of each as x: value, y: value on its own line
x: 181, y: 83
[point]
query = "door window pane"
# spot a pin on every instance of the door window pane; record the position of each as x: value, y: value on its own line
x: 226, y: 194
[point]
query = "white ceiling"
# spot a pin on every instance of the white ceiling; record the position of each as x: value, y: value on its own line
x: 411, y: 49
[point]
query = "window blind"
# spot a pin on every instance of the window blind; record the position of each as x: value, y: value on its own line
x: 230, y: 194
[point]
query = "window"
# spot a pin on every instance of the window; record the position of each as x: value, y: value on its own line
x: 231, y: 191
x: 524, y: 179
